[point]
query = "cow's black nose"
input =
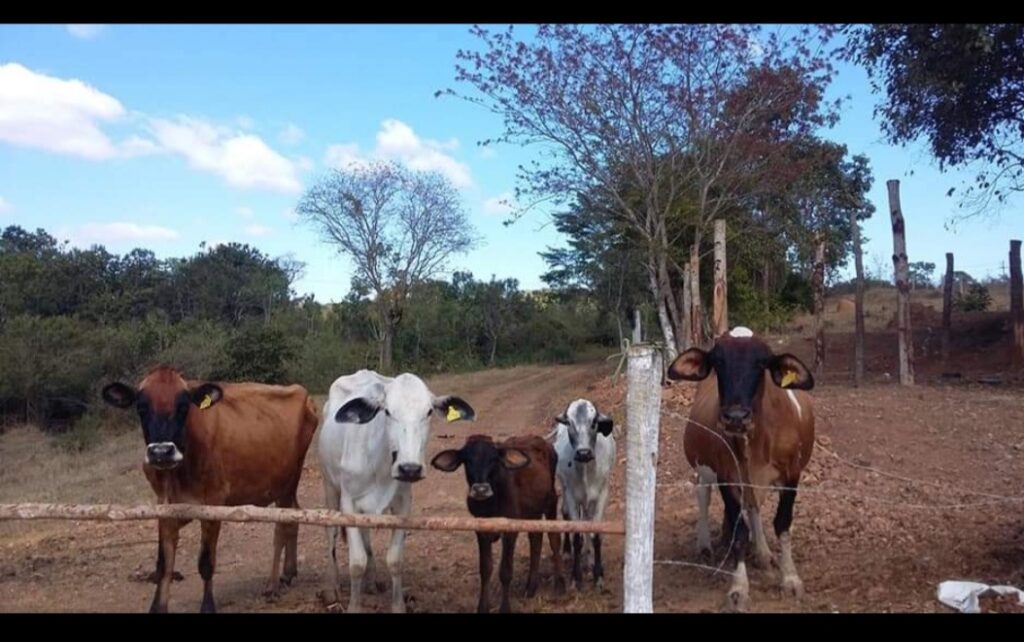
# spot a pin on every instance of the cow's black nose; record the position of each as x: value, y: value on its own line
x: 410, y: 471
x: 480, y: 491
x: 736, y: 416
x: 161, y: 451
x: 584, y: 455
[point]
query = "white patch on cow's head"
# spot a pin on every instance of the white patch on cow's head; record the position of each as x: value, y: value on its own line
x: 792, y: 397
x: 581, y: 419
x: 408, y: 407
x: 741, y: 332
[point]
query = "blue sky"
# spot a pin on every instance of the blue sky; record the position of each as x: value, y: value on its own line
x: 165, y: 136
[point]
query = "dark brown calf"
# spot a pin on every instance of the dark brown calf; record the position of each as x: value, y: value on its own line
x: 513, y: 479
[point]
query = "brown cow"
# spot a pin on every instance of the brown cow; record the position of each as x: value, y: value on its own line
x: 751, y: 427
x: 225, y: 444
x: 514, y: 479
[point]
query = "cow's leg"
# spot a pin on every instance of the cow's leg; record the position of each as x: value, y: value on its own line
x: 401, y: 505
x: 762, y: 554
x: 599, y: 507
x: 370, y: 583
x: 533, y: 578
x: 169, y: 546
x: 551, y: 513
x: 208, y: 562
x: 356, y: 558
x: 273, y: 587
x: 508, y: 549
x: 739, y: 592
x: 706, y: 478
x: 155, y: 576
x: 332, y: 500
x: 483, y: 542
x: 791, y: 582
x: 291, y: 540
x: 572, y: 507
x: 728, y: 525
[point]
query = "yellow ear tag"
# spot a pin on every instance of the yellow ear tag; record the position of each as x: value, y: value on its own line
x: 788, y: 379
x: 207, y: 402
x: 453, y: 414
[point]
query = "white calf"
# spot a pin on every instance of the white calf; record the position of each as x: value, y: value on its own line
x: 586, y: 455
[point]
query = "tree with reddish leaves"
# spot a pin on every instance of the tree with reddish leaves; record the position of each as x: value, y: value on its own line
x: 671, y: 124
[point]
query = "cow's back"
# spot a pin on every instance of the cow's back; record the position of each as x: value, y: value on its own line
x: 532, y: 485
x: 250, y: 446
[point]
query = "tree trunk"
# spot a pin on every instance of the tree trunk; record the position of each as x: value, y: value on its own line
x: 637, y: 327
x: 947, y: 309
x: 687, y: 321
x: 721, y: 299
x: 1017, y: 305
x: 696, y: 310
x: 659, y: 304
x: 858, y: 312
x: 818, y: 284
x: 902, y: 273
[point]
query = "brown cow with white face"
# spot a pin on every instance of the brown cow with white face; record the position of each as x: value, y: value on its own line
x: 751, y: 427
x: 226, y: 444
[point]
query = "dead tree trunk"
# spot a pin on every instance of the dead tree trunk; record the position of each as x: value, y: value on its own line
x: 1017, y: 305
x: 696, y: 310
x: 947, y: 309
x: 686, y: 323
x: 818, y: 284
x: 721, y: 300
x: 858, y: 310
x: 902, y: 273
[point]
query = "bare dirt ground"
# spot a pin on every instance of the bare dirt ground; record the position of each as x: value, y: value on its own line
x: 864, y: 540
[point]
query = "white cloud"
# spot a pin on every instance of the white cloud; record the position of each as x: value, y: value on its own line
x: 396, y: 141
x: 245, y: 213
x: 246, y: 122
x: 257, y: 230
x: 56, y: 115
x: 292, y: 134
x: 86, y: 32
x: 243, y: 160
x: 304, y: 163
x: 500, y: 205
x: 4, y: 205
x: 121, y: 231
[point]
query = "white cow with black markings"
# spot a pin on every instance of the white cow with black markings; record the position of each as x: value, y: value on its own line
x: 372, y: 446
x: 586, y: 455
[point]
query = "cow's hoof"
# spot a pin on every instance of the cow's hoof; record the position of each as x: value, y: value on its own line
x: 560, y: 585
x: 737, y: 601
x: 793, y: 586
x: 328, y: 598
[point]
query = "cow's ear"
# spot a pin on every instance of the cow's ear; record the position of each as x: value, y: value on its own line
x: 604, y: 425
x: 562, y: 419
x: 119, y: 395
x: 357, y: 411
x: 692, y: 365
x: 206, y: 395
x: 789, y: 372
x: 513, y: 458
x: 455, y: 408
x: 447, y: 460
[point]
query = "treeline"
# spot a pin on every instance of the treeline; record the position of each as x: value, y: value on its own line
x: 72, y: 319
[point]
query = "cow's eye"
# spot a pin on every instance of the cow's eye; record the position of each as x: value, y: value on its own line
x: 387, y: 412
x: 430, y: 412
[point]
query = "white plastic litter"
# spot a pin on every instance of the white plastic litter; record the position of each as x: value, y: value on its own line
x: 963, y: 596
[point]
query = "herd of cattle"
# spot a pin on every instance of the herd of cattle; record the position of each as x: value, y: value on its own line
x: 751, y: 428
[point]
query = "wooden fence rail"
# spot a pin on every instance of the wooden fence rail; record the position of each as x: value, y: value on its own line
x: 320, y: 517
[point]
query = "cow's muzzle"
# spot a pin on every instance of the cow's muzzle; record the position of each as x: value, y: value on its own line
x: 164, y: 455
x: 584, y: 455
x: 409, y: 473
x: 736, y: 420
x: 481, y: 491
